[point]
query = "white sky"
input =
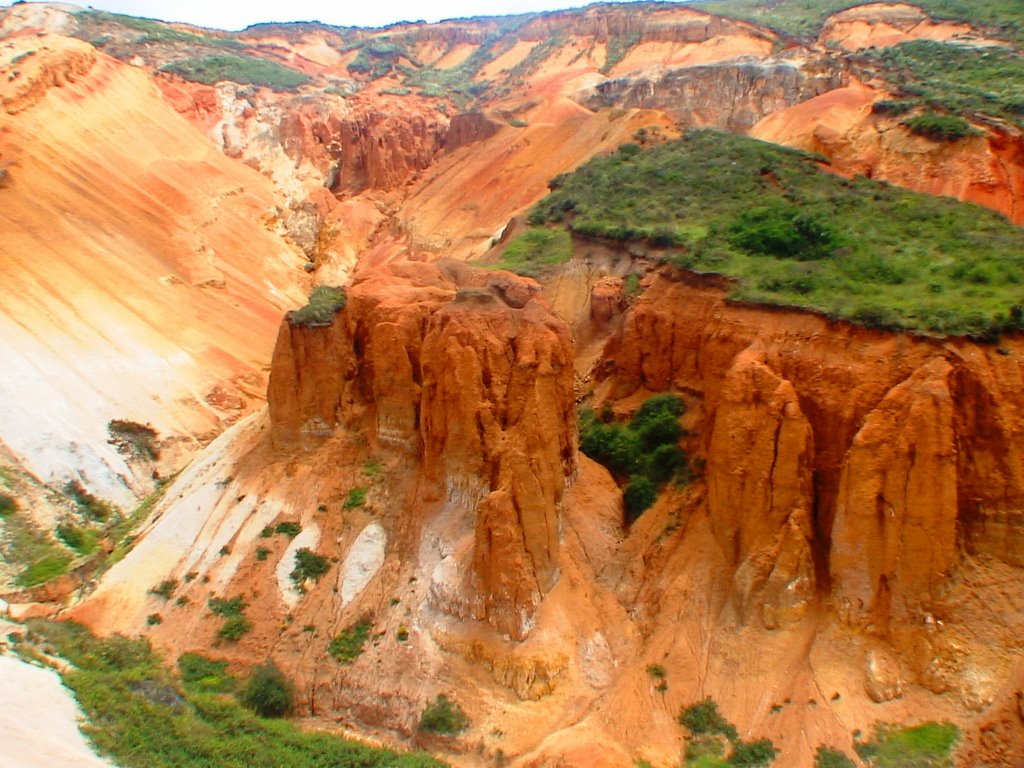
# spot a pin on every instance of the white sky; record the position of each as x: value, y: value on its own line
x: 220, y: 14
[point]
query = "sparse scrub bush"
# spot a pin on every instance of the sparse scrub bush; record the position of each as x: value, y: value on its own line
x: 88, y: 505
x: 41, y: 571
x: 133, y: 440
x: 247, y: 70
x: 325, y: 302
x: 165, y: 588
x: 443, y: 716
x: 267, y: 691
x: 234, y: 628
x: 8, y: 504
x: 205, y: 674
x: 826, y: 757
x: 703, y: 718
x: 348, y: 644
x: 289, y: 529
x: 79, y: 538
x: 308, y: 565
x: 234, y: 606
x: 536, y: 248
x: 356, y: 498
x: 940, y: 127
x: 928, y: 745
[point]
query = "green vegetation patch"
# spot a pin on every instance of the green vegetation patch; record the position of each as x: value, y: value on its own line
x: 325, y: 302
x: 536, y: 248
x: 929, y: 744
x: 444, y: 716
x: 153, y: 31
x: 644, y: 453
x: 347, y: 646
x: 138, y: 715
x: 792, y: 234
x: 710, y: 734
x: 827, y: 757
x: 955, y: 79
x: 355, y: 498
x: 83, y: 540
x: 805, y: 17
x: 308, y: 566
x: 267, y: 691
x: 238, y: 69
x: 204, y: 674
x: 941, y: 127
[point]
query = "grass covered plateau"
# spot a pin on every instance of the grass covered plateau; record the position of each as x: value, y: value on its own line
x: 792, y: 234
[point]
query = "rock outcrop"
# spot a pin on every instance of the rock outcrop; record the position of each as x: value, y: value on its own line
x: 469, y: 373
x: 832, y: 449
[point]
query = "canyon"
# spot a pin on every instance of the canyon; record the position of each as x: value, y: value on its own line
x: 847, y: 551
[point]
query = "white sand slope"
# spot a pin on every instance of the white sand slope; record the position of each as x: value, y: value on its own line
x: 39, y: 720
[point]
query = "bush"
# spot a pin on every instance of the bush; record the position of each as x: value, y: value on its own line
x: 289, y: 529
x: 165, y: 588
x: 89, y: 505
x: 83, y: 540
x: 645, y: 451
x: 133, y: 440
x: 234, y: 628
x: 703, y: 718
x: 940, y: 127
x: 154, y: 619
x: 784, y: 232
x: 233, y: 607
x: 929, y: 744
x: 356, y: 498
x: 444, y: 717
x: 348, y: 644
x: 308, y: 565
x: 639, y: 494
x: 760, y: 752
x: 41, y: 571
x: 8, y: 504
x: 204, y: 673
x: 267, y: 691
x: 826, y: 757
x: 324, y: 303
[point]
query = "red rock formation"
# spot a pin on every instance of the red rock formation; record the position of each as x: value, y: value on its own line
x: 889, y: 427
x: 470, y: 372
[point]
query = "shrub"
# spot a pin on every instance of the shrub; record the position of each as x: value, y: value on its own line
x: 348, y: 644
x: 89, y: 505
x: 8, y: 504
x: 536, y: 248
x: 891, y: 107
x: 83, y: 540
x: 639, y: 494
x: 645, y: 451
x: 267, y: 691
x: 443, y: 716
x: 289, y: 529
x: 205, y: 674
x: 239, y: 69
x: 760, y: 752
x: 656, y: 670
x: 222, y: 607
x: 940, y: 127
x: 782, y: 231
x: 703, y: 718
x: 165, y: 588
x: 262, y: 553
x: 324, y: 303
x: 308, y: 565
x: 49, y: 567
x: 929, y: 744
x: 356, y: 498
x: 826, y: 757
x: 153, y: 619
x: 233, y: 628
x: 133, y: 440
